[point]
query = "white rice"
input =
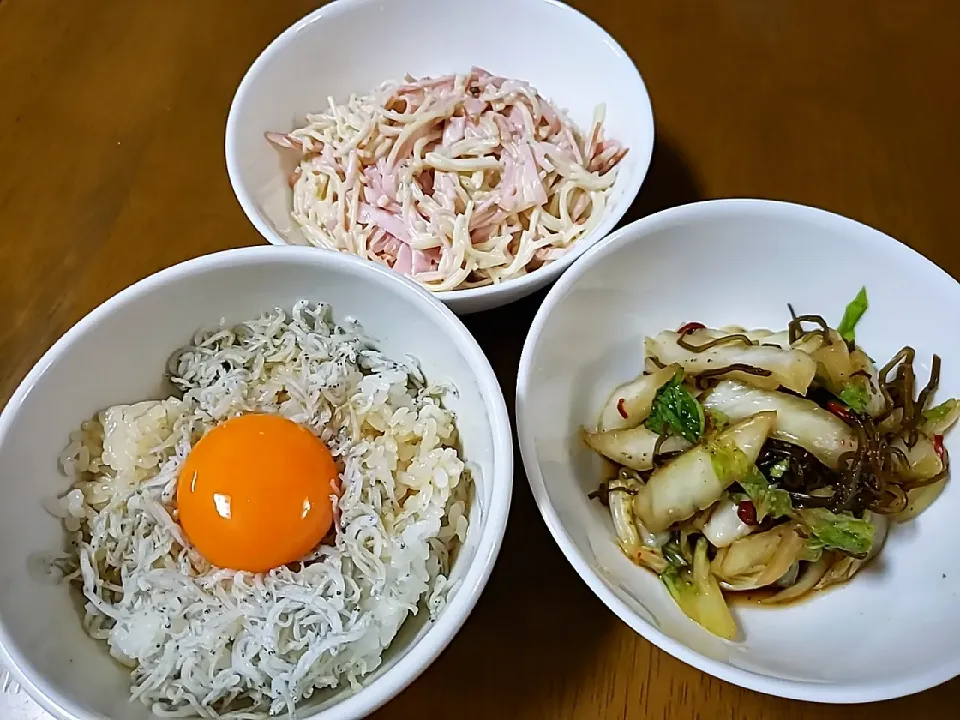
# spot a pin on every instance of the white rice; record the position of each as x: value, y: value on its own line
x: 218, y: 643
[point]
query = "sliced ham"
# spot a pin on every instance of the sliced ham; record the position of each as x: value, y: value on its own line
x: 486, y: 213
x: 425, y: 260
x: 384, y: 243
x: 521, y: 186
x: 553, y: 120
x: 439, y: 83
x: 454, y: 131
x: 474, y: 106
x: 381, y: 184
x: 404, y: 262
x: 401, y: 166
x: 580, y: 205
x: 387, y: 221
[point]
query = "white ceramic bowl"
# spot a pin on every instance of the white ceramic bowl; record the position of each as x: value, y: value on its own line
x: 352, y: 46
x: 118, y: 354
x: 894, y: 629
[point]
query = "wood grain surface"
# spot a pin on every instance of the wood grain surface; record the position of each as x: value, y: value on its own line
x: 111, y: 167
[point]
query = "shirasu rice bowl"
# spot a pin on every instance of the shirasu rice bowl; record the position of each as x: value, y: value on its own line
x: 201, y: 640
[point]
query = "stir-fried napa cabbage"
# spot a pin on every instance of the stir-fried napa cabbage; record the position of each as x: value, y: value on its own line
x: 755, y: 460
x: 799, y: 421
x: 759, y: 559
x: 629, y: 404
x: 763, y: 365
x: 725, y: 525
x: 697, y: 593
x: 633, y: 447
x: 699, y: 476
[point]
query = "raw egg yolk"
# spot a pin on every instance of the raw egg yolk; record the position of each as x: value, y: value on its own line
x: 255, y: 493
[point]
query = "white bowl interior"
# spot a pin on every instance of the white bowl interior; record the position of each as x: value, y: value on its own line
x: 353, y: 46
x: 119, y: 355
x: 894, y: 628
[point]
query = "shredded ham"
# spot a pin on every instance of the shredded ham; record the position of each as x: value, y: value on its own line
x: 386, y: 221
x: 456, y: 181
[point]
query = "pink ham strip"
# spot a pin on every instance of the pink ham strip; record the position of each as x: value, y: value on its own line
x: 569, y: 143
x: 521, y: 186
x: 327, y: 159
x: 408, y: 260
x: 382, y: 242
x: 474, y: 106
x: 444, y: 82
x: 519, y: 121
x: 411, y: 101
x: 454, y: 131
x: 380, y: 200
x: 608, y: 154
x: 529, y: 177
x: 425, y: 260
x: 404, y: 262
x: 486, y: 215
x: 284, y: 141
x: 387, y: 221
x: 381, y: 182
x: 413, y: 262
x: 480, y: 78
x: 445, y: 190
x: 582, y: 203
x: 477, y: 129
x: 593, y: 143
x: 548, y: 254
x: 290, y: 147
x: 506, y: 128
x: 481, y: 235
x: 550, y: 115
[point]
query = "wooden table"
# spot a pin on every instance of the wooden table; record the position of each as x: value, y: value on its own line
x: 111, y: 167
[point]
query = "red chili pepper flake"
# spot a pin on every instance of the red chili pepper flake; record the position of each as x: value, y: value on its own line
x: 841, y: 411
x: 747, y: 512
x: 690, y: 327
x: 623, y: 413
x: 939, y: 449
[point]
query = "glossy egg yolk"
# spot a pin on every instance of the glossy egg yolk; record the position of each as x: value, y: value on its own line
x: 255, y: 493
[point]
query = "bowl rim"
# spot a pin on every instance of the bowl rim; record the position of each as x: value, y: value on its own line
x: 637, y: 231
x: 612, y: 214
x: 439, y: 633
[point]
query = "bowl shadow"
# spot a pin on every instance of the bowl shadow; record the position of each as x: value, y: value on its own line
x: 669, y: 182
